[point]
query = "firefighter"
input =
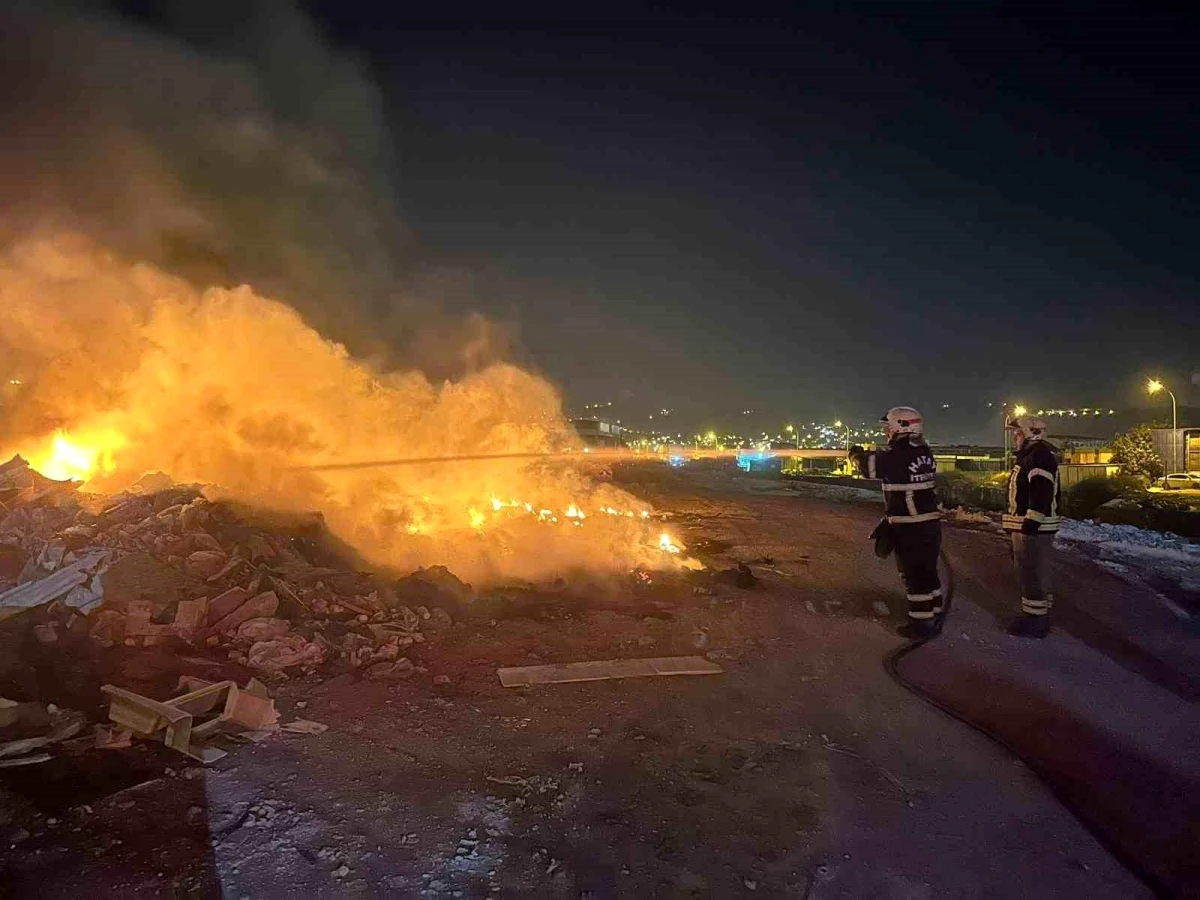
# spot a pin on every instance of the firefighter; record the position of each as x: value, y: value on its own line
x: 906, y: 468
x: 1032, y: 519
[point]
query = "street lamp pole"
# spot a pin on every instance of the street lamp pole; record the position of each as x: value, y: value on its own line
x: 1017, y: 410
x: 1154, y: 387
x: 838, y: 424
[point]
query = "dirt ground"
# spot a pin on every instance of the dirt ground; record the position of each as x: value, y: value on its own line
x: 804, y: 770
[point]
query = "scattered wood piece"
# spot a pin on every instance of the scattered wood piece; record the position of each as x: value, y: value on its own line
x: 353, y: 606
x: 252, y: 736
x: 109, y: 738
x: 173, y: 721
x: 602, y: 670
x: 304, y: 726
x: 284, y: 590
x: 25, y: 760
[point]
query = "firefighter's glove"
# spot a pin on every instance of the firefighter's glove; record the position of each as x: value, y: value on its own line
x: 1029, y: 526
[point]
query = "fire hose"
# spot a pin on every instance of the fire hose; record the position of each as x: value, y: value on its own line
x: 891, y: 664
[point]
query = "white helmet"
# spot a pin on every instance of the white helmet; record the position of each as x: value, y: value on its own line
x: 903, y: 420
x: 1032, y: 428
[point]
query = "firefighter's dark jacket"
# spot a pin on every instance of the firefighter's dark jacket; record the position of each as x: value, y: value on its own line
x: 1033, y: 491
x: 906, y: 468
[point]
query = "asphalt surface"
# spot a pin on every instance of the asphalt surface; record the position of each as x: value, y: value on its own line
x: 804, y: 770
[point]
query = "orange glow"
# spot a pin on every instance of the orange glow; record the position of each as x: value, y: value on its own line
x: 71, y: 457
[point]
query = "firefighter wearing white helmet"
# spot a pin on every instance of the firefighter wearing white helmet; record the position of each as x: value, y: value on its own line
x: 1032, y: 520
x: 912, y: 527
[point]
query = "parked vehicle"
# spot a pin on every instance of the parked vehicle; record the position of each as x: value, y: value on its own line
x: 1182, y: 481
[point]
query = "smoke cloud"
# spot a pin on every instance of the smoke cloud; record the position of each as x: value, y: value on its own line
x: 203, y: 273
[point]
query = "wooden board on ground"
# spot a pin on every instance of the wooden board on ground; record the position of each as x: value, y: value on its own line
x: 602, y: 670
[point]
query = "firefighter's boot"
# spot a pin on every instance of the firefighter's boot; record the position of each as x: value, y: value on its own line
x: 1030, y: 627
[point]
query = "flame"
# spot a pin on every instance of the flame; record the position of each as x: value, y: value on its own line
x: 666, y: 543
x: 234, y: 390
x: 77, y: 458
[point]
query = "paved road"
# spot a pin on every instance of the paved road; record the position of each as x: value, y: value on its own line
x: 803, y: 771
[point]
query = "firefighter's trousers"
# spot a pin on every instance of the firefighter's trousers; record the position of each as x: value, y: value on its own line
x: 1031, y: 555
x: 917, y: 547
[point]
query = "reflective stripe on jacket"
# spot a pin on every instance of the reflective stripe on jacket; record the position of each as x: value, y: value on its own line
x: 1033, y: 489
x: 906, y: 468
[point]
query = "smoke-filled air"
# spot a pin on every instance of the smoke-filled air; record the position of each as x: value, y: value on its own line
x: 292, y: 343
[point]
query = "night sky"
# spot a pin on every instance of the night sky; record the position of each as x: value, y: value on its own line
x: 810, y: 214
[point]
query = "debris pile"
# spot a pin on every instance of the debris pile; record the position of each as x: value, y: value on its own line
x: 162, y: 564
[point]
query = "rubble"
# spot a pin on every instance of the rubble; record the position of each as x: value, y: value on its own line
x: 161, y: 565
x: 50, y: 724
x: 53, y: 586
x: 434, y: 586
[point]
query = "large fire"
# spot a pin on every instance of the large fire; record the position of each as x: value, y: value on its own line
x: 118, y: 370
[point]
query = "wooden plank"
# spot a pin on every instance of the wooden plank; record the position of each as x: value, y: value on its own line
x: 606, y: 669
x: 685, y: 665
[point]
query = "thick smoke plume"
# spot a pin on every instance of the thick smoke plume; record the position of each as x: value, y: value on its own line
x: 202, y: 274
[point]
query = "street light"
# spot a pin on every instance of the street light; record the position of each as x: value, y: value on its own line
x: 791, y: 429
x: 1153, y: 386
x: 838, y: 424
x: 1017, y: 410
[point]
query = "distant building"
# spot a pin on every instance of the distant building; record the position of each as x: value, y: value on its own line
x: 1179, y: 448
x: 600, y: 432
x: 1083, y: 450
x: 968, y: 458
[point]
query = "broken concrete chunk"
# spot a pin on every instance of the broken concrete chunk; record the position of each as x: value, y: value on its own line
x: 202, y: 540
x: 401, y: 668
x: 205, y: 563
x: 221, y: 606
x: 77, y: 536
x: 190, y: 618
x: 235, y: 563
x: 264, y: 604
x: 138, y: 616
x: 262, y: 629
x: 283, y: 653
x: 107, y: 627
x: 439, y: 621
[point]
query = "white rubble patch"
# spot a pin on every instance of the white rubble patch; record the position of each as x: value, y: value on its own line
x: 1171, y: 564
x: 1131, y: 541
